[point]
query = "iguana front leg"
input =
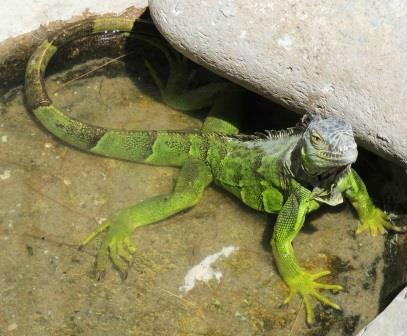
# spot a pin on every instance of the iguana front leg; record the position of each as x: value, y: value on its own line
x: 289, y: 222
x: 371, y: 217
x: 194, y: 177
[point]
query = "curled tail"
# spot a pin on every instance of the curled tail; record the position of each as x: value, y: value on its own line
x: 154, y: 147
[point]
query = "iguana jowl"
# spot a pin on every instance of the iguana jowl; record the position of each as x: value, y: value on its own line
x: 289, y: 172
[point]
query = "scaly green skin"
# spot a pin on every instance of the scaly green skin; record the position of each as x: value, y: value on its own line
x: 288, y: 172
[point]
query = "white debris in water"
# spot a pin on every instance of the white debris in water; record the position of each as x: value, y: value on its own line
x: 4, y: 138
x: 204, y: 271
x: 6, y: 174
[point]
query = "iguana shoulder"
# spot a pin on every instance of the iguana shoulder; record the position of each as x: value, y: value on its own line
x: 254, y: 168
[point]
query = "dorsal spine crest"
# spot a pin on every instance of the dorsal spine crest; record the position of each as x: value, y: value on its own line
x: 278, y: 134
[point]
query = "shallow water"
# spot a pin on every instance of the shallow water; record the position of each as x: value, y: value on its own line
x: 52, y: 196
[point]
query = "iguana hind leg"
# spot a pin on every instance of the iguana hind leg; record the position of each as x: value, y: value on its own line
x: 226, y: 112
x: 195, y: 176
x: 225, y: 98
x: 175, y: 90
x: 289, y: 222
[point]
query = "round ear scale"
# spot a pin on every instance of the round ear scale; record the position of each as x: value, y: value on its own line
x: 305, y: 121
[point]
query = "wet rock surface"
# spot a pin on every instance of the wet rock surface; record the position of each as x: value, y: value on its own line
x: 52, y: 196
x: 330, y: 58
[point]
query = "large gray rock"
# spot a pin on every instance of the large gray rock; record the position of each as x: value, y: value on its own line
x: 327, y: 57
x: 392, y: 321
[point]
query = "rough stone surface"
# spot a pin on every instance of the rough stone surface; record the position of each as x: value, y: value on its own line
x: 392, y: 321
x: 344, y: 58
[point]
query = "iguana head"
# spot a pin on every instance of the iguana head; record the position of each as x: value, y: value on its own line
x: 327, y: 144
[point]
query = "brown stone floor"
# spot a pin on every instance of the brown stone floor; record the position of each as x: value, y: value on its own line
x: 52, y: 196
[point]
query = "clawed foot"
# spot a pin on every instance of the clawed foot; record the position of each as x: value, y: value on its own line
x: 120, y: 250
x: 305, y: 285
x: 116, y: 245
x: 378, y: 222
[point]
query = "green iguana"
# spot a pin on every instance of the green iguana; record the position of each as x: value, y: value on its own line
x: 289, y: 172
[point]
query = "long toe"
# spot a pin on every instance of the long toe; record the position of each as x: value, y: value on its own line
x: 123, y: 252
x: 116, y: 259
x: 101, y: 259
x: 325, y: 300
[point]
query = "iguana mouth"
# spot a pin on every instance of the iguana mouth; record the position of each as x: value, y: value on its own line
x: 331, y: 155
x: 338, y: 160
x: 339, y: 156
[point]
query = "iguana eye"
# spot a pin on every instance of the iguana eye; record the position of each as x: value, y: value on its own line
x: 316, y: 138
